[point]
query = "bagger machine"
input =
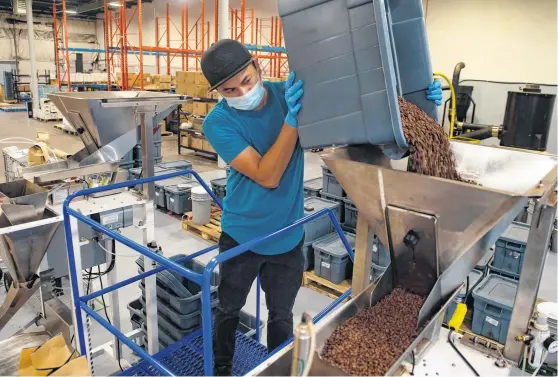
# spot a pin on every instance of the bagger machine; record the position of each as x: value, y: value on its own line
x: 436, y: 230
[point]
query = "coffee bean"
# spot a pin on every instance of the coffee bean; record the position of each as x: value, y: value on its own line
x: 430, y: 149
x: 368, y: 343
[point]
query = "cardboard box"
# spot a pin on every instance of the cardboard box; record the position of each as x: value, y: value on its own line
x: 207, y: 147
x: 162, y: 79
x: 197, y: 124
x: 186, y: 77
x: 188, y: 107
x: 201, y: 91
x: 201, y: 80
x: 200, y: 108
x: 186, y: 140
x: 196, y: 142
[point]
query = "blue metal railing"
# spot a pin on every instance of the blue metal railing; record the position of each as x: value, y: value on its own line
x: 203, y: 279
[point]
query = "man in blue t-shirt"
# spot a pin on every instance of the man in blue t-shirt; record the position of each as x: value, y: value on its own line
x: 254, y: 129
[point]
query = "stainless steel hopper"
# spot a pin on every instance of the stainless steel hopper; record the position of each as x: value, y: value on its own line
x: 106, y: 123
x: 25, y: 233
x: 436, y: 230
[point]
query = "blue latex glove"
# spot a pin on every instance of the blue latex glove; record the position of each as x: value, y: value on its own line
x: 434, y: 92
x: 293, y: 93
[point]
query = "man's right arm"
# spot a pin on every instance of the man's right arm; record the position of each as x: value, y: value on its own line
x: 268, y: 169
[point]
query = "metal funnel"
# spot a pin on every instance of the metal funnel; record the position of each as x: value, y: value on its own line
x: 24, y: 192
x: 106, y: 123
x: 23, y: 248
x: 456, y: 222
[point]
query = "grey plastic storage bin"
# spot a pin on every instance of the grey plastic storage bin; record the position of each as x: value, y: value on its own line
x: 475, y: 278
x: 179, y: 199
x: 174, y: 321
x: 510, y: 250
x: 321, y: 226
x: 160, y: 195
x: 485, y: 261
x: 331, y: 259
x: 313, y: 187
x: 181, y: 294
x: 177, y: 165
x: 377, y: 272
x: 351, y: 213
x: 494, y: 298
x: 380, y: 254
x: 308, y: 252
x: 219, y: 188
x: 337, y: 199
x: 330, y: 184
x: 355, y: 61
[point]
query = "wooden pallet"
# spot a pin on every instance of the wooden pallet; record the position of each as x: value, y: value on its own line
x: 210, y: 231
x: 312, y: 281
x: 61, y: 128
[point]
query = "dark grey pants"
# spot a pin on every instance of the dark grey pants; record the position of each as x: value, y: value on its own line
x: 281, y: 277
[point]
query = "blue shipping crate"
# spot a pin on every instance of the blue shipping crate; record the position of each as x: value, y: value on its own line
x: 322, y: 225
x: 331, y: 259
x: 475, y: 277
x: 494, y: 298
x: 510, y: 250
x: 330, y: 184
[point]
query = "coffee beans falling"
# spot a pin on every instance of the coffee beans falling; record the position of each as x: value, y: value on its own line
x: 431, y: 153
x: 368, y: 343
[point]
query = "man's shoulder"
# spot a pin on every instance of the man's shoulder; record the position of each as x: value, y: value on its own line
x: 217, y: 116
x: 277, y: 86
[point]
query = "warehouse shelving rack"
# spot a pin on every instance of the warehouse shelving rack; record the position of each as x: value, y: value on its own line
x: 195, y: 349
x: 193, y: 40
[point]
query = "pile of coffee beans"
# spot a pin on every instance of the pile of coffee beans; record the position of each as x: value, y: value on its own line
x: 368, y: 343
x: 429, y: 145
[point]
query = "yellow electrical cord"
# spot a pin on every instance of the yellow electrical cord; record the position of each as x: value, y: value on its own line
x: 453, y: 107
x: 458, y: 317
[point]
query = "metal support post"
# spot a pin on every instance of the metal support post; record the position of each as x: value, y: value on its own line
x: 112, y: 278
x: 223, y: 19
x: 531, y: 273
x: 32, y: 57
x: 363, y: 256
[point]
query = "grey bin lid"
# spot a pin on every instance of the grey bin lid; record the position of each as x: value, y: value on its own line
x: 158, y: 171
x: 169, y: 182
x: 314, y: 184
x: 184, y: 186
x: 516, y: 232
x: 314, y: 204
x: 219, y: 181
x: 176, y: 165
x: 474, y: 277
x: 497, y: 290
x: 483, y: 263
x: 332, y: 244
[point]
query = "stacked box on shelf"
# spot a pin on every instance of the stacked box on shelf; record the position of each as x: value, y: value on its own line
x: 510, y: 250
x: 219, y: 188
x: 178, y: 196
x: 474, y: 278
x: 494, y: 298
x: 313, y: 187
x: 318, y: 227
x: 331, y: 258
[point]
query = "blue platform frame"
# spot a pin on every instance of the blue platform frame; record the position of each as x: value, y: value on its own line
x: 203, y: 279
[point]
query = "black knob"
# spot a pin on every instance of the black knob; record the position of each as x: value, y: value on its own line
x: 411, y: 239
x: 80, y: 130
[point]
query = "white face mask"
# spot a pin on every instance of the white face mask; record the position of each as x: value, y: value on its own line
x: 250, y: 100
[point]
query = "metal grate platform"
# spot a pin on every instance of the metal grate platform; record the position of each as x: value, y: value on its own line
x: 185, y: 357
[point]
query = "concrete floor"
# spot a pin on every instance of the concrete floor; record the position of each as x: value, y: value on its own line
x: 173, y: 239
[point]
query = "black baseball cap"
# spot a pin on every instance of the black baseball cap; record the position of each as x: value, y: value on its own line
x: 223, y: 60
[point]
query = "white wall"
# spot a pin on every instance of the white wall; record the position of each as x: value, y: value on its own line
x: 499, y: 40
x: 502, y: 40
x: 80, y: 34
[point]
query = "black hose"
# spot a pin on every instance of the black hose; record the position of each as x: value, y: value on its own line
x: 414, y: 362
x: 460, y: 354
x: 456, y: 74
x: 481, y: 134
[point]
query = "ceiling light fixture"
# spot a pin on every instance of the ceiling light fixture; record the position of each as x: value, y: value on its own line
x: 69, y: 11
